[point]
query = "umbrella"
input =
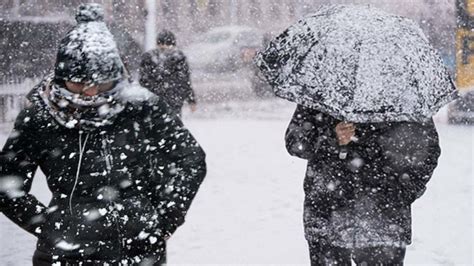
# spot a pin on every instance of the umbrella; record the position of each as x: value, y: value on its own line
x: 358, y: 64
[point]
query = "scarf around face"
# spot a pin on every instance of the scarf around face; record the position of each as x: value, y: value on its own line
x: 86, y: 112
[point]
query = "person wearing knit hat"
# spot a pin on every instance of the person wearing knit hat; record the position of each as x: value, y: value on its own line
x: 122, y: 168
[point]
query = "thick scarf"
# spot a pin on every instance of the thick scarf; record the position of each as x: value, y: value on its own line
x: 86, y: 112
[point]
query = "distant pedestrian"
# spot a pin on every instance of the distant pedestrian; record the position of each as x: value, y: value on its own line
x: 165, y: 72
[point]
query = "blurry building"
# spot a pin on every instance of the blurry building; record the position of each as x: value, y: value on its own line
x: 189, y: 18
x: 30, y: 31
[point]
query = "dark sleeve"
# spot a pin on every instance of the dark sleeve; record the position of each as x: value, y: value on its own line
x: 410, y: 154
x: 181, y: 163
x: 185, y: 76
x: 146, y: 71
x: 17, y: 169
x: 309, y: 132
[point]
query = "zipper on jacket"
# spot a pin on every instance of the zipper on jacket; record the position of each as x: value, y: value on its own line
x: 107, y: 154
x: 82, y: 147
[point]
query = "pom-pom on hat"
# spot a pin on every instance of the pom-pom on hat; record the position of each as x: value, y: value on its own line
x: 88, y: 53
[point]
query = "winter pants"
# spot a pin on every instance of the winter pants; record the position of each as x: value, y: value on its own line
x: 322, y: 255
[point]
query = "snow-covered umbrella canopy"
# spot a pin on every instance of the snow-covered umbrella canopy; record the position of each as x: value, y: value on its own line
x: 358, y: 64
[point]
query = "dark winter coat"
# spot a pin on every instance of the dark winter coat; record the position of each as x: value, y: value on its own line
x: 165, y: 72
x: 117, y: 191
x: 362, y: 200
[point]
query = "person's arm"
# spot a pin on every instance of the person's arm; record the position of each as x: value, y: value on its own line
x: 180, y: 165
x: 17, y: 169
x: 308, y: 132
x: 185, y: 76
x: 410, y: 155
x: 146, y: 71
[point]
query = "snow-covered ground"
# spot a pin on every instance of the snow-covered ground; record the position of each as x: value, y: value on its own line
x: 249, y: 209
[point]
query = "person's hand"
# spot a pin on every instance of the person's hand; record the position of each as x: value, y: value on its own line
x: 193, y: 107
x: 163, y: 234
x: 345, y: 132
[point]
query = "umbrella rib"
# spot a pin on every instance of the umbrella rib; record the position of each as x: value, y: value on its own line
x: 357, y: 48
x: 303, y: 57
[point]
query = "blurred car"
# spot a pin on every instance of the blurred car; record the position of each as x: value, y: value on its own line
x: 224, y: 49
x: 260, y: 85
x: 461, y: 111
x: 228, y: 52
x: 449, y: 60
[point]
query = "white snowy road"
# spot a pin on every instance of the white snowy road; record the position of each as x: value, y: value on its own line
x: 249, y: 209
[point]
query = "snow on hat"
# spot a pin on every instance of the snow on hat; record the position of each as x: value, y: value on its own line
x: 88, y: 53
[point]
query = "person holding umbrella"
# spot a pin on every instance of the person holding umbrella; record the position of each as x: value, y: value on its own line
x: 121, y: 167
x: 366, y: 84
